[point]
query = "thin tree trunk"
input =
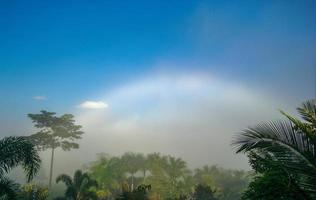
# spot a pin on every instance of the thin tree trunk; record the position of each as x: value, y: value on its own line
x: 132, y: 182
x: 144, y: 176
x: 78, y: 197
x: 51, y: 168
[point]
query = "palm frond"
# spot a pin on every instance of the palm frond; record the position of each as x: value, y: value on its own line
x: 292, y: 149
x: 16, y: 151
x: 308, y: 111
x: 84, y: 184
x: 302, y: 126
x: 8, y: 189
x: 65, y: 179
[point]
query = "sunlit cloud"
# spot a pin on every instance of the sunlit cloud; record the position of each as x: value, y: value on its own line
x: 93, y: 105
x: 39, y: 98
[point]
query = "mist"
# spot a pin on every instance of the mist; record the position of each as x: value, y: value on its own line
x: 172, y: 84
x: 193, y: 116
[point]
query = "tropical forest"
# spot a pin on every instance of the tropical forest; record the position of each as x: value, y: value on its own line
x: 158, y: 100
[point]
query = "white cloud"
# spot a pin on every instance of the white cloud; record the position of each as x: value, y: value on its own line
x: 39, y: 98
x: 93, y: 105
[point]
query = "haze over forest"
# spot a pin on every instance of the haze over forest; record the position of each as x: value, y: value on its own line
x: 177, y: 78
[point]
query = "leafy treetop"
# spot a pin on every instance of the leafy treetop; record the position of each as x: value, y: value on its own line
x: 55, y: 131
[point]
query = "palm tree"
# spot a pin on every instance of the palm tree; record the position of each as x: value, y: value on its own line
x: 79, y: 187
x: 157, y: 177
x: 205, y: 175
x: 176, y: 168
x: 291, y: 144
x: 144, y: 166
x: 176, y: 171
x: 155, y: 162
x: 15, y: 151
x: 133, y: 163
x: 109, y: 172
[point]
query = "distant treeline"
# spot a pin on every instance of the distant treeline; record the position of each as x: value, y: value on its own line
x: 168, y: 176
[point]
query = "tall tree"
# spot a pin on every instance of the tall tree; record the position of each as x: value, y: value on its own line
x: 79, y: 187
x: 157, y: 178
x: 133, y: 163
x: 55, y: 132
x: 144, y: 166
x: 16, y: 151
x: 176, y: 171
x: 291, y: 144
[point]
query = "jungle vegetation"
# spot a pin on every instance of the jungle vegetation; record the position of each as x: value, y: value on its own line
x: 169, y: 177
x: 281, y: 153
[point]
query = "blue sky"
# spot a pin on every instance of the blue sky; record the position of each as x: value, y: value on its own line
x: 70, y: 52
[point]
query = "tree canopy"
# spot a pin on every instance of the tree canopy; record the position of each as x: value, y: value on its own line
x: 55, y: 132
x: 168, y: 176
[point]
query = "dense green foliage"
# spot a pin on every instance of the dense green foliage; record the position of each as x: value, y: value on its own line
x: 283, y: 155
x: 34, y: 192
x: 203, y: 192
x: 80, y: 187
x: 271, y: 181
x: 55, y: 132
x: 169, y: 177
x: 16, y: 151
x: 228, y: 184
x: 140, y: 193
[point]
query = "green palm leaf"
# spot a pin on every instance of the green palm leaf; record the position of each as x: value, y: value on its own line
x: 308, y: 111
x: 79, y: 186
x: 16, y: 151
x: 8, y: 189
x: 64, y: 178
x: 291, y: 144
